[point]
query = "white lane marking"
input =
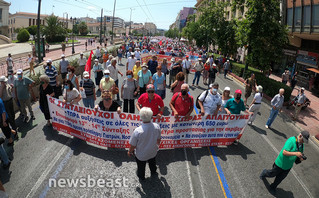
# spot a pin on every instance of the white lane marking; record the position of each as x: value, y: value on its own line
x: 292, y: 170
x: 48, y: 169
x: 189, y: 175
x: 199, y: 175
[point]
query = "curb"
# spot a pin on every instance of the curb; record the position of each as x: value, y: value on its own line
x: 315, y: 138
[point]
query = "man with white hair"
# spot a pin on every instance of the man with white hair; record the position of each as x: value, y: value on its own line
x: 22, y: 88
x: 226, y: 68
x: 114, y: 73
x: 64, y: 63
x: 137, y: 53
x: 182, y: 103
x: 131, y: 62
x: 82, y: 62
x: 276, y: 103
x: 145, y: 140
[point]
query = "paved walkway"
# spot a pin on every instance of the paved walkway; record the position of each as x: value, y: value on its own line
x: 309, y: 118
x: 55, y: 53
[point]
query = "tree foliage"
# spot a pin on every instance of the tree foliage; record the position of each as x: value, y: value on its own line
x: 83, y: 29
x: 54, y: 31
x: 23, y: 35
x: 32, y: 29
x: 211, y: 28
x: 262, y: 32
x: 173, y: 33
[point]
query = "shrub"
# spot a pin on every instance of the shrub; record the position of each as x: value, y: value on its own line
x: 23, y: 35
x: 270, y: 87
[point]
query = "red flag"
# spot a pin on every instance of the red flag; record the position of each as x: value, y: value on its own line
x: 160, y: 43
x: 88, y: 64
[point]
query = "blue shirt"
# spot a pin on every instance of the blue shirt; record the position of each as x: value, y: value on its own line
x: 152, y: 66
x: 143, y: 79
x: 278, y: 101
x: 234, y: 107
x: 52, y: 74
x: 22, y: 87
x: 2, y: 109
x: 159, y: 81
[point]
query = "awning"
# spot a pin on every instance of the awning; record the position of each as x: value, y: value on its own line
x: 313, y: 70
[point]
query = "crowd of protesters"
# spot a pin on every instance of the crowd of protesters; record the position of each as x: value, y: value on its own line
x: 143, y: 87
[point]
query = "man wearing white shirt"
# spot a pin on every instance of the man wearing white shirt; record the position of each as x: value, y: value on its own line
x: 210, y: 101
x: 131, y: 62
x: 114, y: 73
x: 137, y: 54
x: 211, y: 59
x: 186, y: 67
x: 128, y: 54
x: 98, y: 52
x: 82, y: 63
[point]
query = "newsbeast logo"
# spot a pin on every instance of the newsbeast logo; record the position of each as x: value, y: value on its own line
x: 90, y: 182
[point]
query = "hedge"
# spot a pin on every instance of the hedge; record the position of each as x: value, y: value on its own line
x: 270, y: 87
x: 23, y: 35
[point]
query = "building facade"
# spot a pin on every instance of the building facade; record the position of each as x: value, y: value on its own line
x: 150, y: 28
x: 302, y: 54
x: 118, y: 22
x: 4, y: 18
x: 25, y: 19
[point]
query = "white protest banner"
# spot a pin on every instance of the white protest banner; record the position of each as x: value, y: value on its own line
x: 110, y: 129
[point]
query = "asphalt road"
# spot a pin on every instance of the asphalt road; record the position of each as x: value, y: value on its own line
x: 42, y: 154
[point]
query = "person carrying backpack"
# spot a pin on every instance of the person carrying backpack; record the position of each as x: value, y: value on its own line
x: 210, y: 101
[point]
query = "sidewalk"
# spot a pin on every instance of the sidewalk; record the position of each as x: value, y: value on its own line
x: 20, y: 63
x: 308, y: 118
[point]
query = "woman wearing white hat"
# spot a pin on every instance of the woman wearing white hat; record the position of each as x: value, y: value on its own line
x: 256, y: 103
x: 225, y: 97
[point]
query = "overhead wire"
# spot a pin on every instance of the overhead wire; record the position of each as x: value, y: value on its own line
x: 143, y: 10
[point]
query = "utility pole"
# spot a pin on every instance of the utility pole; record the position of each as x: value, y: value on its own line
x: 129, y: 33
x: 104, y: 26
x: 113, y: 22
x: 101, y: 26
x: 38, y: 32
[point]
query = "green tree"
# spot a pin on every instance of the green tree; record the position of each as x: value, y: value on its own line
x: 83, y: 28
x: 76, y: 29
x: 173, y: 33
x: 54, y: 31
x: 32, y: 29
x: 23, y: 35
x: 262, y: 32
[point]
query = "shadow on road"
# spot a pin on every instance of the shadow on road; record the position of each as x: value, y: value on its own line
x: 239, y: 149
x: 154, y: 187
x: 280, y: 193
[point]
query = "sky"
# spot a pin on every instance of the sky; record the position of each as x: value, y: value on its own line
x: 161, y: 12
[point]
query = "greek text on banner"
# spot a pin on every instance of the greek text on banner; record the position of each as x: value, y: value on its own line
x: 110, y: 129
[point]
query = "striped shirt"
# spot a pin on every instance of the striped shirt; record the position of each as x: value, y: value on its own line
x: 52, y: 74
x: 88, y: 86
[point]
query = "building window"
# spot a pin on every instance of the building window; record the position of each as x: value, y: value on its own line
x: 14, y: 20
x: 1, y: 14
x: 297, y: 21
x: 227, y: 15
x: 29, y: 22
x: 33, y: 21
x: 43, y: 22
x: 315, y: 15
x: 289, y: 16
x: 306, y: 16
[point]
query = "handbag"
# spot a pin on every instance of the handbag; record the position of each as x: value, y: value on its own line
x: 136, y: 93
x: 83, y: 94
x: 187, y: 71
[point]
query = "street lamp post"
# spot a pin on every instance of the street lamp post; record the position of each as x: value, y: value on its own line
x: 73, y: 20
x: 113, y: 21
x: 38, y: 32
